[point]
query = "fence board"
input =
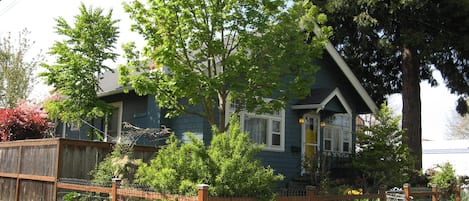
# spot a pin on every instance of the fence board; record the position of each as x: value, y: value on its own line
x: 7, y: 188
x: 77, y: 161
x: 152, y: 195
x: 36, y: 190
x: 38, y: 160
x: 9, y: 156
x: 78, y: 187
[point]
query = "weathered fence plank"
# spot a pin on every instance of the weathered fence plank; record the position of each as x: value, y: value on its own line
x: 36, y: 190
x: 9, y: 156
x: 7, y: 188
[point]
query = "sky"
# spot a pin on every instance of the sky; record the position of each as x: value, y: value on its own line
x: 438, y: 105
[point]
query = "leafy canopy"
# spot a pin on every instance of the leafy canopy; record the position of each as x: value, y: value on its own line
x: 180, y: 167
x: 199, y: 53
x: 79, y: 65
x: 371, y: 35
x: 16, y: 70
x: 382, y: 158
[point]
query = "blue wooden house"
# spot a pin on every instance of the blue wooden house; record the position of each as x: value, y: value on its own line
x: 309, y: 133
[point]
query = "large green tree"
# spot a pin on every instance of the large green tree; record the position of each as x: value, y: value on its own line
x: 16, y: 68
x: 393, y: 45
x: 203, y: 52
x: 80, y: 62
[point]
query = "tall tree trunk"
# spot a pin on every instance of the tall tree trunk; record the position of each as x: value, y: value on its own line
x: 411, y: 104
x: 222, y: 113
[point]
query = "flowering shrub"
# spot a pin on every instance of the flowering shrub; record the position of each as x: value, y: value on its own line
x: 26, y: 121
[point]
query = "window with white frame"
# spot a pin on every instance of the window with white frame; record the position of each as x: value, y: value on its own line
x: 113, y: 123
x: 338, y: 134
x: 74, y: 126
x: 267, y: 129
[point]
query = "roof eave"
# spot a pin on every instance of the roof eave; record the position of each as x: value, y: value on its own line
x: 349, y: 74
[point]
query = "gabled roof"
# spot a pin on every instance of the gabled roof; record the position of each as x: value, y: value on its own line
x: 321, y: 98
x: 349, y: 74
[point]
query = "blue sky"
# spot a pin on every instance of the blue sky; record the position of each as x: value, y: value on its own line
x: 38, y: 16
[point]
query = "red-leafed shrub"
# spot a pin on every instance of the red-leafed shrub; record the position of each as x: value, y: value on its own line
x: 26, y: 121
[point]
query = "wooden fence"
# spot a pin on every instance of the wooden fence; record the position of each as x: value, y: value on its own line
x: 29, y: 169
x: 434, y: 193
x: 116, y: 193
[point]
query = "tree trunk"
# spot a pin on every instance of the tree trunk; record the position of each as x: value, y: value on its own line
x: 411, y: 104
x: 222, y: 112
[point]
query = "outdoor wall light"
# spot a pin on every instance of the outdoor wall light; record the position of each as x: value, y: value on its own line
x: 301, y: 120
x: 322, y: 124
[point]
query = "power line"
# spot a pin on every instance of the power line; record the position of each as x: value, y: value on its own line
x: 9, y: 7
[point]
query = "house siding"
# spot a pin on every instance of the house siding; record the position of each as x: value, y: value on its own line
x: 188, y: 123
x: 140, y: 111
x: 288, y: 162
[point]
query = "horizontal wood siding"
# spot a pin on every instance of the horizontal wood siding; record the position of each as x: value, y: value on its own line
x: 154, y: 113
x: 288, y: 162
x: 187, y: 123
x: 7, y: 188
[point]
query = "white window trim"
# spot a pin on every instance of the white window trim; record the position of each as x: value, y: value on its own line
x: 118, y: 105
x: 348, y: 131
x: 280, y: 117
x: 74, y: 126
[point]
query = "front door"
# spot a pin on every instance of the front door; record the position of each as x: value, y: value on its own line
x: 310, y: 145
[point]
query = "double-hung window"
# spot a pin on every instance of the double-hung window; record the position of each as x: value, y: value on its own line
x: 338, y: 134
x: 267, y: 129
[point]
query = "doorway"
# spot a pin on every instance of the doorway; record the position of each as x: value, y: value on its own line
x: 310, y: 143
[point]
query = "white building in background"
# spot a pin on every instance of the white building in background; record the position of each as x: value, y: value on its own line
x: 455, y: 152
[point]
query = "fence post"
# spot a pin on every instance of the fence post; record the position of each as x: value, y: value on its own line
x: 407, y: 191
x: 435, y: 192
x: 115, y: 184
x: 458, y: 192
x: 203, y: 192
x: 310, y: 192
x: 382, y: 192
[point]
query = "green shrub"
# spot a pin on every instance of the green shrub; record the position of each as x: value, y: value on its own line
x: 228, y: 165
x: 118, y: 164
x: 445, y: 178
x: 382, y: 158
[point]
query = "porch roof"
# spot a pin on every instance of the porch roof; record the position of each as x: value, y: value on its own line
x: 320, y: 98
